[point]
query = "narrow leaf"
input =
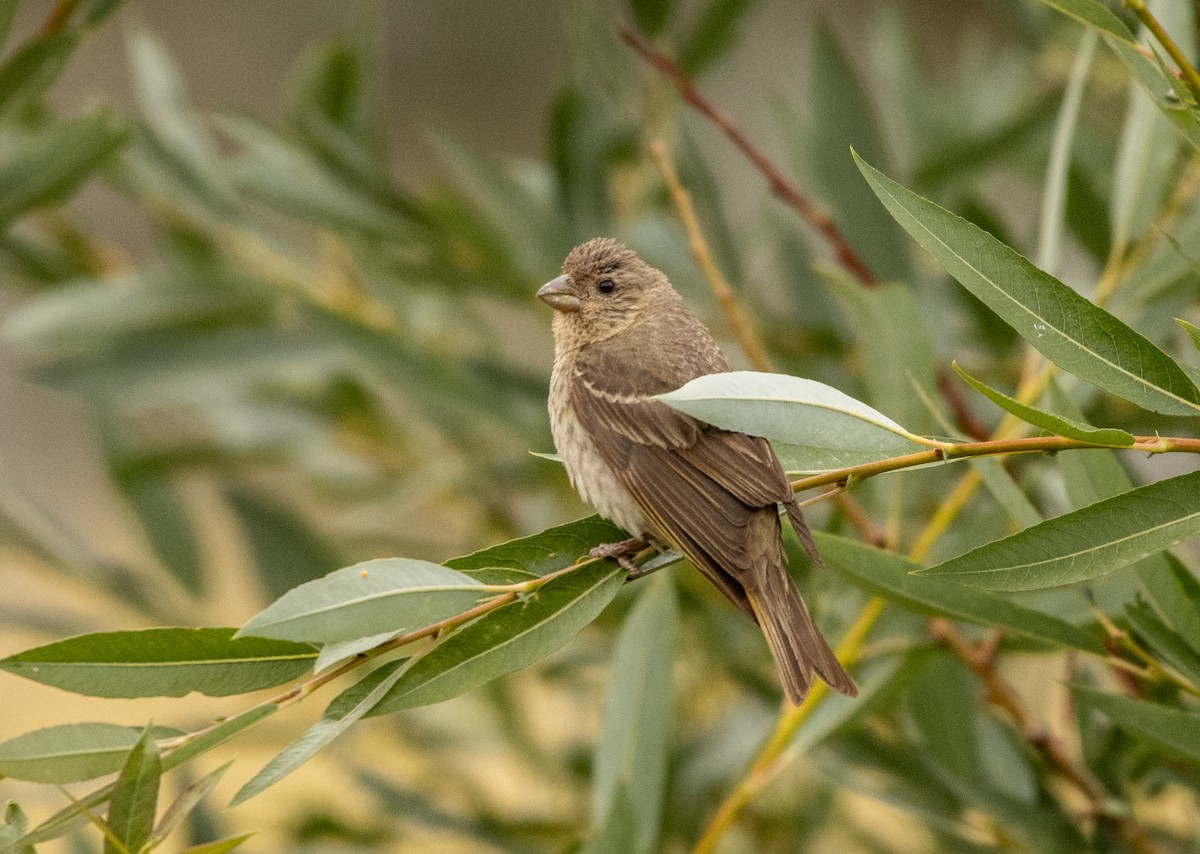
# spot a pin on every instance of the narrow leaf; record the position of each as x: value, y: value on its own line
x: 135, y: 799
x: 713, y: 36
x: 796, y: 411
x: 650, y: 15
x: 287, y: 550
x: 218, y: 734
x: 31, y: 70
x: 1192, y: 330
x: 1174, y: 729
x: 616, y: 832
x: 1164, y: 643
x: 631, y: 754
x: 1078, y: 336
x: 509, y: 638
x: 182, y: 806
x: 51, y: 164
x: 1095, y: 14
x: 889, y: 575
x: 69, y: 753
x: 538, y: 554
x: 1086, y: 543
x: 219, y: 846
x: 162, y: 663
x: 335, y: 653
x: 1048, y: 421
x: 333, y: 723
x: 376, y: 596
x: 842, y: 118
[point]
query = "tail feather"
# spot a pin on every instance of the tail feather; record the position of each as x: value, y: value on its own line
x: 796, y: 644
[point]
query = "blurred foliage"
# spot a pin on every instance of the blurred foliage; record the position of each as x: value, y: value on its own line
x: 314, y: 364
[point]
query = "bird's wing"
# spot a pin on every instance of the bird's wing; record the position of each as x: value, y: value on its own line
x: 704, y: 488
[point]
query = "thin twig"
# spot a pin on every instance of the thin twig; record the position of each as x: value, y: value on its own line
x: 59, y: 16
x: 1186, y: 70
x: 982, y: 662
x: 964, y: 417
x: 780, y: 186
x: 739, y: 320
x: 869, y: 531
x: 994, y: 447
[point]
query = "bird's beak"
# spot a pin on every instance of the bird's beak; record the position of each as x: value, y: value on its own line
x: 559, y: 295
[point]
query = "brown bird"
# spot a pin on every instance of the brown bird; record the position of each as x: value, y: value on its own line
x: 622, y: 335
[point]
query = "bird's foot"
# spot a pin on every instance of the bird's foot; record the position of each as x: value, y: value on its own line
x: 620, y: 552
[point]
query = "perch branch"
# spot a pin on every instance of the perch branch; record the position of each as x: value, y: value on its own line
x: 780, y: 186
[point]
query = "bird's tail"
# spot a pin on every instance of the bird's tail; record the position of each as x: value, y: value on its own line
x: 796, y: 644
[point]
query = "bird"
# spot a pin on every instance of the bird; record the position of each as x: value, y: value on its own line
x: 622, y: 335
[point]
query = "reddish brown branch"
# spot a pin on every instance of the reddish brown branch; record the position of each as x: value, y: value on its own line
x: 981, y: 661
x: 964, y: 418
x: 780, y: 186
x: 59, y: 16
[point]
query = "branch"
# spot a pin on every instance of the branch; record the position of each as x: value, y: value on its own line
x: 59, y: 15
x: 739, y: 320
x: 982, y: 662
x: 302, y: 689
x: 1187, y: 71
x: 780, y: 186
x: 994, y: 447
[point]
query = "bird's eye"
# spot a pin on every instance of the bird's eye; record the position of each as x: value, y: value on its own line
x: 606, y: 286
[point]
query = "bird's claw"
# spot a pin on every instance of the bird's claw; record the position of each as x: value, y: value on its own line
x: 620, y: 552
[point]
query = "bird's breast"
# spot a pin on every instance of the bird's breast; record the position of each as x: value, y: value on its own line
x: 590, y: 475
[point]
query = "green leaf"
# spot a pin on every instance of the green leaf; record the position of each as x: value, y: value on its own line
x: 154, y: 495
x: 889, y: 575
x: 713, y: 35
x: 843, y: 118
x: 538, y: 554
x: 1085, y: 543
x: 287, y: 550
x: 1165, y: 644
x: 162, y: 663
x: 1149, y: 150
x: 68, y: 819
x: 101, y: 9
x: 1048, y: 421
x: 336, y: 720
x: 1080, y: 337
x: 651, y: 15
x: 508, y: 638
x: 333, y: 654
x: 135, y: 799
x: 69, y: 753
x: 1176, y: 730
x: 1090, y: 476
x: 618, y: 834
x: 1192, y: 330
x: 288, y: 178
x: 52, y: 163
x: 179, y: 137
x: 819, y: 421
x: 14, y: 827
x: 1094, y: 14
x: 183, y: 805
x: 219, y: 846
x: 218, y: 734
x: 631, y: 754
x: 29, y: 72
x: 7, y: 9
x: 372, y: 597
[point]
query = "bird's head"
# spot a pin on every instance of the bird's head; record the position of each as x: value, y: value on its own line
x: 603, y: 289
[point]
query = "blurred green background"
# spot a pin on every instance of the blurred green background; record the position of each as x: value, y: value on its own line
x: 270, y: 312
